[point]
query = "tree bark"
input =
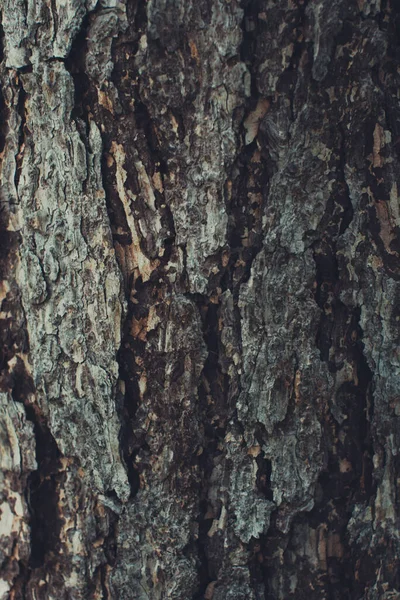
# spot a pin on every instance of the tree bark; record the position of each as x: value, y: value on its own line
x: 200, y: 313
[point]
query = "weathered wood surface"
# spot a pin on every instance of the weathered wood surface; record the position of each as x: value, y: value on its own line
x: 200, y: 299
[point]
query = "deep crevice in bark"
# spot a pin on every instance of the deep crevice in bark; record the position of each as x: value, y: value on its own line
x: 22, y: 96
x: 129, y: 374
x: 347, y: 477
x: 3, y: 124
x: 42, y: 484
x: 1, y: 38
x: 42, y: 494
x: 215, y: 412
x: 264, y: 472
x: 248, y: 202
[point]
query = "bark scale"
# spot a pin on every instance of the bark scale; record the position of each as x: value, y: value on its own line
x: 199, y: 299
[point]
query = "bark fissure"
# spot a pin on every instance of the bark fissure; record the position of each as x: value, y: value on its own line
x: 42, y: 495
x: 215, y: 411
x: 21, y: 112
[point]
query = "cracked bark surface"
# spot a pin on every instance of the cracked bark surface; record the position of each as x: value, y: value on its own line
x: 199, y: 299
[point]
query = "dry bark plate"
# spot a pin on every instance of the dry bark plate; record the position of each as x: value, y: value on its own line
x: 199, y: 256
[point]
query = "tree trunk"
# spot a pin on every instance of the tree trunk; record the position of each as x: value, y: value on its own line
x: 200, y: 299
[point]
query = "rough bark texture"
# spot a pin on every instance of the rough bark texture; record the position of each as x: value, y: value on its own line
x: 199, y: 377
